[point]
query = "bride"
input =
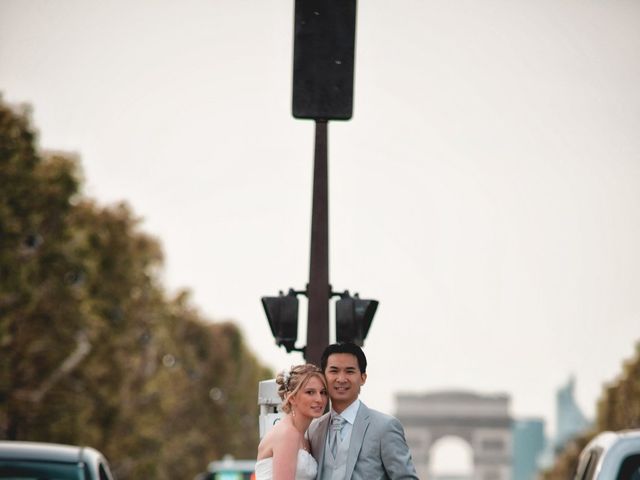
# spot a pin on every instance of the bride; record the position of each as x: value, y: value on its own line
x: 283, y: 453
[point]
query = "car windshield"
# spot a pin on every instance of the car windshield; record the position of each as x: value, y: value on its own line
x: 26, y: 470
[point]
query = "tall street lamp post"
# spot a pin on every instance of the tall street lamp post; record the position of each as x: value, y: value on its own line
x: 323, y: 65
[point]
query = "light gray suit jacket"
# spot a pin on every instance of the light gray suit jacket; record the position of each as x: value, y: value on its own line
x: 377, y: 450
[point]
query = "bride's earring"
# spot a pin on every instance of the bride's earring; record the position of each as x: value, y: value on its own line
x: 293, y: 412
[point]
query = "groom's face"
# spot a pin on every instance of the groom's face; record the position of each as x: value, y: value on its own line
x: 344, y: 380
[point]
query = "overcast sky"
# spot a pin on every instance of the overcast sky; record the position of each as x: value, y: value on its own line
x: 486, y: 191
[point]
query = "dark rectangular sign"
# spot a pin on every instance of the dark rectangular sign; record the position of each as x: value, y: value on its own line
x: 323, y: 58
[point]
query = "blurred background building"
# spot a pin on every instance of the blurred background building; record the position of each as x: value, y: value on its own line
x: 570, y: 421
x: 528, y: 444
x: 491, y: 444
x: 482, y: 421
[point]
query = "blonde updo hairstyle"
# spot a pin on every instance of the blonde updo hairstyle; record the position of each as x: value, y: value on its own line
x: 291, y: 381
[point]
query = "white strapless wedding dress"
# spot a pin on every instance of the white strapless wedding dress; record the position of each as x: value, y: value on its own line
x: 306, y: 469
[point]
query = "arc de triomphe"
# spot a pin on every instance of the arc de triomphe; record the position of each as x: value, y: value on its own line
x: 483, y: 421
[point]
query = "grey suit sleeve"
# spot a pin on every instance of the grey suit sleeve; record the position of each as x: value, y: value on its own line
x: 395, y: 454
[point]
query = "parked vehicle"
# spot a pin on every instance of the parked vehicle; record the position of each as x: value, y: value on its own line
x: 611, y: 456
x: 49, y: 461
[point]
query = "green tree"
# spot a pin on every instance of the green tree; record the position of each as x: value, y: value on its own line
x: 617, y: 409
x: 36, y: 288
x: 93, y: 351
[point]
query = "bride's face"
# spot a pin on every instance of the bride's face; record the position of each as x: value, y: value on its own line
x: 311, y: 399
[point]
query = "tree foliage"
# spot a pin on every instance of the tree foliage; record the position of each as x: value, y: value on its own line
x: 92, y: 349
x: 617, y: 409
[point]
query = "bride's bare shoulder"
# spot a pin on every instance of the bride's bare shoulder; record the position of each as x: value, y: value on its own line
x: 282, y: 435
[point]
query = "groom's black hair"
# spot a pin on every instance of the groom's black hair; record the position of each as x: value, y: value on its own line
x: 350, y: 348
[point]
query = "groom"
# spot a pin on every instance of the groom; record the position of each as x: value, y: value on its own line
x: 353, y: 441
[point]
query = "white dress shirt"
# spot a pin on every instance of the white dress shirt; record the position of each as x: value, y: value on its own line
x: 349, y: 414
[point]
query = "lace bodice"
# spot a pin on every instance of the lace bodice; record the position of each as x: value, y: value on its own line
x: 306, y: 468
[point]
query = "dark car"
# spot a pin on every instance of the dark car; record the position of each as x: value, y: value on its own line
x: 50, y: 461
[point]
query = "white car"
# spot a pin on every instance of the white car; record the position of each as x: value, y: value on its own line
x: 49, y: 461
x: 611, y: 456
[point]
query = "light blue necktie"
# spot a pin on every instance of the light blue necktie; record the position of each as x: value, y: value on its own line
x: 337, y: 423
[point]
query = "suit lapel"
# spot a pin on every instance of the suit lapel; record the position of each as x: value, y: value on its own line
x: 360, y: 426
x: 321, y: 440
